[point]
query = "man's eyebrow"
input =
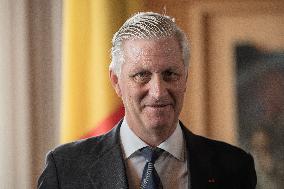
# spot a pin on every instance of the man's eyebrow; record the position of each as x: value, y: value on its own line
x: 140, y: 69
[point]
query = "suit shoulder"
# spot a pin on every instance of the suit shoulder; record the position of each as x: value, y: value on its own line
x: 211, y: 145
x: 220, y: 147
x: 87, y: 148
x: 76, y: 148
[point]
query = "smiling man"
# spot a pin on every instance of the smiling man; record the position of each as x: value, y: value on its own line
x: 151, y: 84
x: 149, y: 147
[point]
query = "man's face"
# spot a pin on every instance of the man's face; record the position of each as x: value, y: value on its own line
x: 151, y: 84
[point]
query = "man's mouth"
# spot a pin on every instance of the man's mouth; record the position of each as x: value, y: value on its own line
x: 157, y: 106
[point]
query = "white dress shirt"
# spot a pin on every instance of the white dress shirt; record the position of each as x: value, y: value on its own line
x: 171, y: 166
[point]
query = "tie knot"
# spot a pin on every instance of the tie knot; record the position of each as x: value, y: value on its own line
x: 151, y: 154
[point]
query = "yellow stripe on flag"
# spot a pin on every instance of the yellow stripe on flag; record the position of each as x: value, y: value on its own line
x: 87, y: 95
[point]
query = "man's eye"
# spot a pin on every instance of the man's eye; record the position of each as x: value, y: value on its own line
x: 142, y: 77
x: 170, y: 76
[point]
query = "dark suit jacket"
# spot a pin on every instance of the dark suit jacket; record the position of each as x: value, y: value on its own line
x: 98, y: 163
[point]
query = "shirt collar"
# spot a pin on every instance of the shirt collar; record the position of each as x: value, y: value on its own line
x: 175, y: 144
x: 131, y: 142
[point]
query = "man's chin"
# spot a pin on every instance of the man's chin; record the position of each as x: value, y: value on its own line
x: 158, y: 124
x: 158, y: 116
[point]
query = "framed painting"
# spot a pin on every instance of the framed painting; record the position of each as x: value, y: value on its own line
x: 260, y: 102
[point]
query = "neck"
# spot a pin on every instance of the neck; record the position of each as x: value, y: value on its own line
x: 154, y: 137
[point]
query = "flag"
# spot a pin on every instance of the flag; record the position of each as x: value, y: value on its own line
x: 89, y: 105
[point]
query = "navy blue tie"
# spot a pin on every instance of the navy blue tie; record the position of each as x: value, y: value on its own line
x: 150, y: 178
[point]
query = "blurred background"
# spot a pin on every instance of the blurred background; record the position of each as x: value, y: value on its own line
x: 54, y: 58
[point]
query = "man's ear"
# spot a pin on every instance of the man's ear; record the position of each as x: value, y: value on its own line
x: 186, y: 80
x: 114, y: 81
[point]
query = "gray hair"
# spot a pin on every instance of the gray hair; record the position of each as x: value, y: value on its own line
x: 146, y: 25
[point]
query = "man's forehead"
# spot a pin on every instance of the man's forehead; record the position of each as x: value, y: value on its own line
x: 151, y: 47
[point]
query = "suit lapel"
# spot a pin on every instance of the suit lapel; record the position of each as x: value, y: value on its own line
x: 108, y: 170
x: 200, y: 160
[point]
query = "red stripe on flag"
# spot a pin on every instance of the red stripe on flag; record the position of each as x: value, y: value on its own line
x: 106, y: 124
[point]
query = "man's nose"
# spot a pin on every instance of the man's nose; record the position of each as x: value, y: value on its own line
x: 157, y: 87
